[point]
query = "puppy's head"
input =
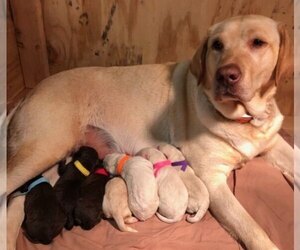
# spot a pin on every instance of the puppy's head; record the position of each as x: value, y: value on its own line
x: 152, y: 154
x: 88, y: 157
x: 110, y: 162
x: 242, y: 58
x: 171, y: 152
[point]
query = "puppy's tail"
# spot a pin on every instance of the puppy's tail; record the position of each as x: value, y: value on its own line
x: 203, y: 207
x: 122, y: 226
x: 167, y: 220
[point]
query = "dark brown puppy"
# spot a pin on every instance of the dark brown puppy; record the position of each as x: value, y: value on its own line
x: 44, y: 216
x: 72, y: 175
x: 88, y: 208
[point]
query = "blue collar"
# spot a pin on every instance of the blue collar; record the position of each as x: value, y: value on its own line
x: 36, y: 182
x: 31, y: 186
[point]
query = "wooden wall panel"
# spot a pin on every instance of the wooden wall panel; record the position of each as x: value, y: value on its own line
x: 28, y: 23
x: 105, y: 32
x: 15, y: 81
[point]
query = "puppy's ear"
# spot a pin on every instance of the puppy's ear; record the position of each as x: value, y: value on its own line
x: 284, y: 65
x: 197, y: 66
x: 146, y: 156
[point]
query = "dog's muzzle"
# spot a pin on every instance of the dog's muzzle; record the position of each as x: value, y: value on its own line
x: 227, y: 79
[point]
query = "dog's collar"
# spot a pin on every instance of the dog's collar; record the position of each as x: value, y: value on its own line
x: 246, y: 118
x: 183, y: 164
x: 40, y: 180
x: 121, y: 164
x: 101, y: 171
x: 159, y: 165
x: 81, y: 168
x: 27, y: 189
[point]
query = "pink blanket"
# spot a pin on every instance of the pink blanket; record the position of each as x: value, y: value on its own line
x: 260, y: 188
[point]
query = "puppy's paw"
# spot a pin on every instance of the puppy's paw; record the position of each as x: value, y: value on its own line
x: 130, y: 220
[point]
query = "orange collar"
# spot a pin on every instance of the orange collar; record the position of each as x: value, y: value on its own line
x: 121, y: 164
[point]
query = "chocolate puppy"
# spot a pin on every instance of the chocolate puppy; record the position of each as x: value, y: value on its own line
x: 88, y: 208
x: 72, y: 176
x: 44, y: 216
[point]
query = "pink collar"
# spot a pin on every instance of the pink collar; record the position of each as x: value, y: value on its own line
x: 158, y: 165
x: 101, y: 171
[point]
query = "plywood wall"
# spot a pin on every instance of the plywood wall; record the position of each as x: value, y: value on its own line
x: 105, y: 32
x: 15, y: 80
x: 31, y: 40
x: 125, y: 32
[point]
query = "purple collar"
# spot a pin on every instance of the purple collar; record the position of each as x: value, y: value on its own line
x: 183, y: 164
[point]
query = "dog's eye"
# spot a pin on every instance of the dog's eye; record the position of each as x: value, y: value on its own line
x: 217, y: 45
x: 257, y: 43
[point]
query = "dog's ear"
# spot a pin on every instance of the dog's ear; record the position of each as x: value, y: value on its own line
x: 197, y: 66
x: 284, y: 65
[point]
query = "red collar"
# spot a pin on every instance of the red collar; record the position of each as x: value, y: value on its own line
x: 101, y: 171
x: 244, y: 119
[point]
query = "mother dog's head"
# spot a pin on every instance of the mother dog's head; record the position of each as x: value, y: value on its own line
x: 240, y: 64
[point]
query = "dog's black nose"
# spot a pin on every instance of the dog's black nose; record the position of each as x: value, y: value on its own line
x: 229, y: 74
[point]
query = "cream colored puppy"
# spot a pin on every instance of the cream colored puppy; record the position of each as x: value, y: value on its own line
x: 198, y: 194
x: 141, y: 184
x: 115, y: 204
x: 173, y: 196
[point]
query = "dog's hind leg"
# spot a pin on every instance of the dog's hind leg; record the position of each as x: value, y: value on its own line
x: 33, y: 158
x: 15, y: 216
x: 34, y: 145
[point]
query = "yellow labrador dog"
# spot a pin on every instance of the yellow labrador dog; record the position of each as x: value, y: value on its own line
x: 219, y: 109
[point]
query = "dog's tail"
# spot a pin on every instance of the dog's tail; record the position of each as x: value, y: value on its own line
x: 168, y: 220
x: 122, y: 226
x: 11, y: 113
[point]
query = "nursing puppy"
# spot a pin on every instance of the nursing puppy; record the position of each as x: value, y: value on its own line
x: 71, y: 177
x: 44, y: 216
x: 115, y: 204
x: 88, y: 209
x: 198, y: 201
x: 141, y: 184
x: 172, y: 193
x: 15, y: 210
